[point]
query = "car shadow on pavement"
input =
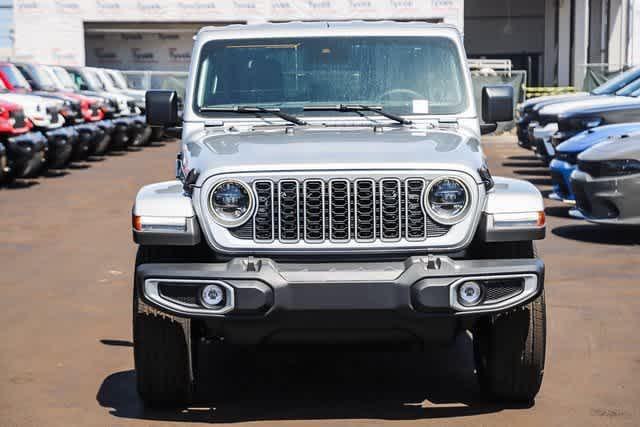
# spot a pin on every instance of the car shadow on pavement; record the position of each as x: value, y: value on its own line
x: 524, y: 158
x: 532, y: 172
x: 594, y: 233
x: 20, y: 184
x: 522, y: 164
x: 321, y: 385
x: 559, y: 211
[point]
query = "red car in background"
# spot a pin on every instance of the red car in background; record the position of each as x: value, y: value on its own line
x: 22, y: 153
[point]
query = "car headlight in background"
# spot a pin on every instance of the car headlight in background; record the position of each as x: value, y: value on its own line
x: 447, y: 200
x: 231, y: 203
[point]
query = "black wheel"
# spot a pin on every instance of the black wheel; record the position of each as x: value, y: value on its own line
x: 509, y: 351
x: 509, y: 348
x: 162, y: 346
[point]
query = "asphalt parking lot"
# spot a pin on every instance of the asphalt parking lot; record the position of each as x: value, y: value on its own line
x: 66, y: 259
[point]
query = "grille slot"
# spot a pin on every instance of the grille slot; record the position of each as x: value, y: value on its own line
x: 416, y: 227
x: 289, y: 210
x: 314, y: 210
x: 19, y: 118
x: 365, y: 210
x: 340, y: 210
x: 263, y: 223
x: 390, y: 209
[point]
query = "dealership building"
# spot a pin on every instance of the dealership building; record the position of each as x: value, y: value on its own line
x: 555, y: 41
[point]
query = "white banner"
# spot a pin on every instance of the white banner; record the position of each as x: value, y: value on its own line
x: 52, y: 31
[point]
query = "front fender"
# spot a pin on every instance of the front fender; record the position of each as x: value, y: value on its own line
x: 164, y: 215
x: 513, y: 211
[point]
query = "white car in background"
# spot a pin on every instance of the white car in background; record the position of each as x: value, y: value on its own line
x: 44, y: 113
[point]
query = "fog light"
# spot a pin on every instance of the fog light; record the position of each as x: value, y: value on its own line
x: 212, y: 296
x: 470, y: 293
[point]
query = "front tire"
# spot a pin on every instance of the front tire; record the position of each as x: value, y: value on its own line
x: 509, y: 347
x: 161, y: 346
x: 509, y: 350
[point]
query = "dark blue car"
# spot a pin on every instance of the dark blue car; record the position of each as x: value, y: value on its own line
x: 567, y: 152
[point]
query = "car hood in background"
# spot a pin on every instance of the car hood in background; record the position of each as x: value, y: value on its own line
x: 618, y: 149
x: 591, y: 103
x: 589, y: 138
x: 537, y: 103
x: 318, y: 148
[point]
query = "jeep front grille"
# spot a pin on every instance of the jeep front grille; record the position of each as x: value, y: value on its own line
x: 339, y: 210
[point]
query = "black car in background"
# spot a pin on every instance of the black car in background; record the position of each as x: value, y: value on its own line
x: 528, y: 111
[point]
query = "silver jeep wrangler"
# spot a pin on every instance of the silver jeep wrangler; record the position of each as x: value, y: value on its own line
x: 332, y: 188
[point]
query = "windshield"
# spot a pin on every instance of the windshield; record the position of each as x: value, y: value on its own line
x: 43, y: 79
x: 65, y: 78
x: 53, y: 77
x: 629, y: 89
x: 618, y: 82
x: 118, y: 79
x: 404, y: 75
x: 3, y: 88
x: 101, y: 80
x: 14, y: 76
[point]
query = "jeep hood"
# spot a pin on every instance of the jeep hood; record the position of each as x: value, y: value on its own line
x: 334, y: 148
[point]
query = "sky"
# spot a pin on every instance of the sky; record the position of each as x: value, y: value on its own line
x: 6, y: 14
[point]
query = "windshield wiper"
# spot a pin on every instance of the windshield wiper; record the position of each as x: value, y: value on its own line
x: 358, y: 107
x: 253, y: 110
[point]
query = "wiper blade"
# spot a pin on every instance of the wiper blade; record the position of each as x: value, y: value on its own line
x: 252, y: 110
x: 358, y: 107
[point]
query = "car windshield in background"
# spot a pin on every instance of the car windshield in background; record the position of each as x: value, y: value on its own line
x: 54, y: 77
x: 118, y: 79
x: 14, y: 76
x: 42, y: 77
x: 404, y: 75
x: 94, y: 80
x: 630, y: 89
x: 64, y: 77
x: 615, y: 84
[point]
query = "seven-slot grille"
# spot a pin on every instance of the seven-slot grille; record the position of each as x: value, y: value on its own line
x: 339, y: 210
x: 19, y: 118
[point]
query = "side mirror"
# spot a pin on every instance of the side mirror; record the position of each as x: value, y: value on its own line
x: 162, y: 108
x: 497, y: 104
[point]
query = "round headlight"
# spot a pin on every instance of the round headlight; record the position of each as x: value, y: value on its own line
x: 231, y: 203
x: 447, y: 200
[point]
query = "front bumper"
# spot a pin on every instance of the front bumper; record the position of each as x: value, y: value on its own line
x: 561, y: 180
x: 120, y: 137
x: 541, y: 140
x: 60, y: 142
x: 609, y: 200
x: 267, y: 301
x: 26, y: 154
x: 522, y: 129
